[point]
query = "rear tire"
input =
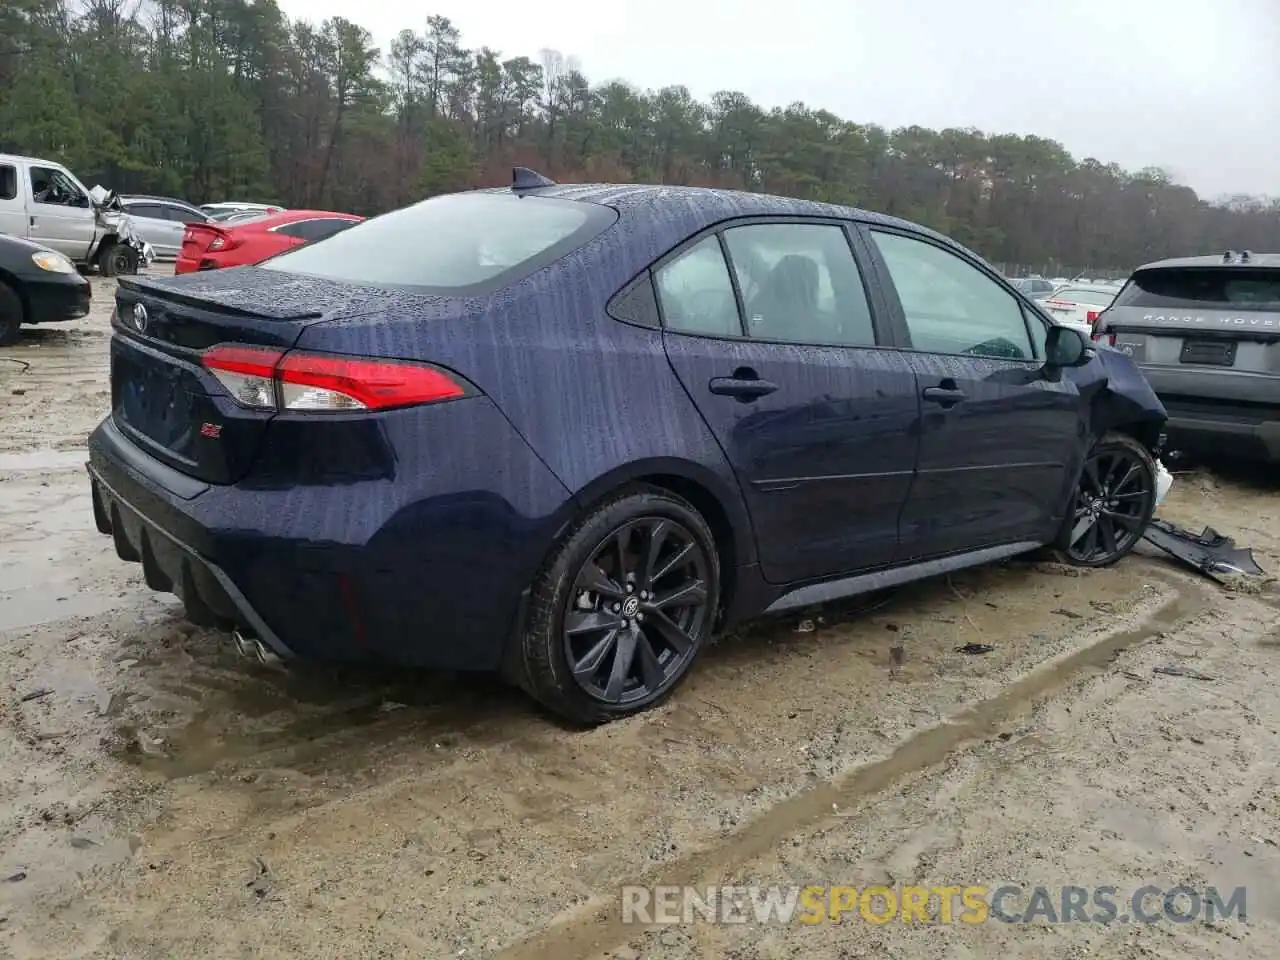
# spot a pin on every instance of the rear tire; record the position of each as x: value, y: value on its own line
x: 1111, y: 504
x: 620, y: 611
x: 12, y: 315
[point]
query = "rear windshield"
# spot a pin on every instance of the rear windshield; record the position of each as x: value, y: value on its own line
x: 1094, y: 298
x: 459, y: 244
x: 1205, y: 288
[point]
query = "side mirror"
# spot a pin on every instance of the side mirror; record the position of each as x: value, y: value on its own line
x: 1067, y: 347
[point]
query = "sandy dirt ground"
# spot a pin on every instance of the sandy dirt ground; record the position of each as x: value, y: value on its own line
x: 162, y: 798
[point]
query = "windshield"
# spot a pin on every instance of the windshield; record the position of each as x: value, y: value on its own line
x: 1094, y: 298
x: 1230, y: 288
x: 459, y: 244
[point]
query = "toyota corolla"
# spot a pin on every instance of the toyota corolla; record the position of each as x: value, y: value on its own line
x: 568, y: 432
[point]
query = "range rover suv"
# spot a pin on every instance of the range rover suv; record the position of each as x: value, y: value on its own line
x: 1206, y: 332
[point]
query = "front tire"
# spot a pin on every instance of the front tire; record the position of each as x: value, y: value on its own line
x: 622, y: 608
x: 11, y: 315
x: 1111, y: 505
x: 118, y: 259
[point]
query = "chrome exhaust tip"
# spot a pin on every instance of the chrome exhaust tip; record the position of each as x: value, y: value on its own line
x: 251, y: 648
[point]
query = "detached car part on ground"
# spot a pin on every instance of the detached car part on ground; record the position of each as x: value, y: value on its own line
x: 1206, y: 333
x: 37, y: 285
x: 567, y: 433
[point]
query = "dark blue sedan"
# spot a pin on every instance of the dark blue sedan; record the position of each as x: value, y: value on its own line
x: 569, y: 432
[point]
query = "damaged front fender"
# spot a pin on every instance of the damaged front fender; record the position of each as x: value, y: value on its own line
x: 116, y: 226
x: 1119, y: 397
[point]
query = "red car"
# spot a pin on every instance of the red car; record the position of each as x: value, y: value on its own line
x: 211, y: 246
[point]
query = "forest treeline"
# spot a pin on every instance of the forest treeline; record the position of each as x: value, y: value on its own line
x: 230, y: 99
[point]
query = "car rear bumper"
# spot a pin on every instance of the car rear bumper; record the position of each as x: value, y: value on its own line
x: 421, y: 568
x: 210, y: 597
x: 1209, y: 436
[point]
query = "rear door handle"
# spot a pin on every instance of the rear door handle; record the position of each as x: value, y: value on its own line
x: 947, y: 396
x: 741, y: 388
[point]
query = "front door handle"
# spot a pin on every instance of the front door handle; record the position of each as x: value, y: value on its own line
x: 946, y: 396
x: 744, y: 389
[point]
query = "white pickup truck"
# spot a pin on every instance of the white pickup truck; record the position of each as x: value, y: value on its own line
x: 43, y: 201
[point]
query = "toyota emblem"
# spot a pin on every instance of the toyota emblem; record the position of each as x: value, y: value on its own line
x: 140, y: 318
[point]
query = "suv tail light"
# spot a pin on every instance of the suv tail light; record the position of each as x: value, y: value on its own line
x: 265, y: 379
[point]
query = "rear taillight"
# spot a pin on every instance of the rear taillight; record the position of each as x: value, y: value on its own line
x: 1095, y: 321
x: 265, y: 379
x: 223, y: 241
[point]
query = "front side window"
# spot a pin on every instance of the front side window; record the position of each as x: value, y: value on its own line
x: 800, y: 284
x: 696, y: 294
x: 454, y: 244
x: 148, y: 210
x: 949, y: 305
x: 55, y: 187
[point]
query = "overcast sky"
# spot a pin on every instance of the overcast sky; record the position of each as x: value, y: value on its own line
x: 1189, y: 85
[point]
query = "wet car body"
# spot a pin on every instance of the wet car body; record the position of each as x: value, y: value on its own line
x: 418, y: 535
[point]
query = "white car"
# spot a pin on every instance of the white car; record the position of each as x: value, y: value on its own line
x: 218, y: 211
x: 1077, y: 305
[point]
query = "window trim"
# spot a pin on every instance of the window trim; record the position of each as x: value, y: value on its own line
x: 895, y: 303
x: 881, y: 325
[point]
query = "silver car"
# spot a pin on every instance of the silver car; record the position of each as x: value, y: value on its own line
x: 160, y: 222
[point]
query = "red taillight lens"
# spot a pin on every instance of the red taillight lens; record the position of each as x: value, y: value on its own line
x: 314, y: 382
x: 266, y: 379
x: 1091, y: 315
x: 1108, y: 338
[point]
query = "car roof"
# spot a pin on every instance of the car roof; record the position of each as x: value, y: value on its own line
x: 146, y: 197
x: 672, y: 213
x: 20, y: 158
x: 290, y: 216
x: 1255, y: 260
x: 631, y: 197
x: 1091, y: 287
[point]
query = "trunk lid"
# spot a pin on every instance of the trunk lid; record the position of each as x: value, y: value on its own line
x: 164, y: 400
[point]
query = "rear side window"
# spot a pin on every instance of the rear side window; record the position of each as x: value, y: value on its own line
x: 8, y: 182
x: 1205, y: 288
x: 696, y: 293
x: 800, y: 284
x: 458, y: 244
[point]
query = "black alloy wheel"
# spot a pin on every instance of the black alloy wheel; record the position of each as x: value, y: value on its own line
x: 1113, y: 503
x: 636, y: 611
x: 621, y: 608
